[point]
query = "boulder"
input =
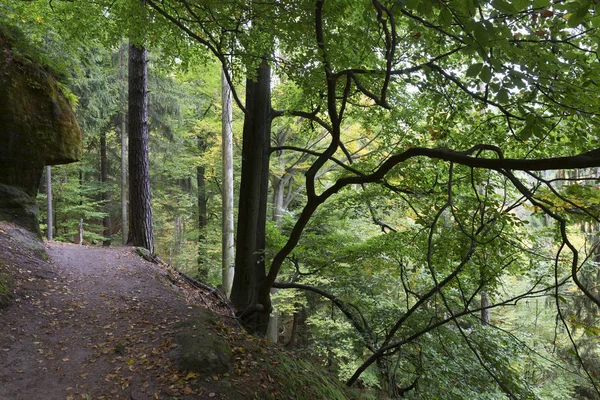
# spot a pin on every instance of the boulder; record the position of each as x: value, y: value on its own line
x: 37, y: 128
x: 200, y: 349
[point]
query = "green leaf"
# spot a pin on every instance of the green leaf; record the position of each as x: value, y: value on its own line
x: 530, y: 119
x: 474, y: 70
x: 504, y: 7
x: 481, y: 35
x: 445, y: 16
x: 502, y: 96
x: 576, y: 18
x: 520, y: 5
x: 525, y: 133
x: 541, y: 3
x: 592, y: 331
x: 486, y: 74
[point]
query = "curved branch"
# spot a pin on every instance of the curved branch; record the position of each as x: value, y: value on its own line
x: 206, y: 44
x: 585, y: 160
x: 363, y: 328
x: 317, y: 154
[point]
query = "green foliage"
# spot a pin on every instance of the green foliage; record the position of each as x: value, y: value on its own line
x: 413, y: 255
x: 299, y: 379
x: 74, y: 198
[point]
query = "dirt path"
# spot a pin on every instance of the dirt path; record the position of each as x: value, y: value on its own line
x: 94, y: 323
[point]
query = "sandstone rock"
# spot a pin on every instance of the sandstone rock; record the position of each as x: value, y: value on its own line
x: 37, y: 128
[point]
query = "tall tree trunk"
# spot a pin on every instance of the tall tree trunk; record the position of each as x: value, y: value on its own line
x: 278, y: 186
x: 250, y: 238
x: 122, y: 129
x: 79, y: 235
x: 49, y: 195
x: 227, y: 230
x: 273, y: 325
x: 485, y: 312
x: 105, y: 195
x: 140, y: 206
x: 201, y: 180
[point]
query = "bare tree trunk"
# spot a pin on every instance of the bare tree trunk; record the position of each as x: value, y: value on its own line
x: 141, y: 233
x: 201, y: 180
x: 49, y: 194
x: 80, y: 238
x: 278, y: 186
x: 250, y: 239
x: 227, y: 229
x: 122, y: 129
x: 272, y: 327
x: 485, y: 312
x: 104, y: 195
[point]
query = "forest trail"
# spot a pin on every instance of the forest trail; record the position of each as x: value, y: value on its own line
x: 94, y: 323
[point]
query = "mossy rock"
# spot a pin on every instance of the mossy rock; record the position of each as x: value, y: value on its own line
x: 37, y: 128
x: 28, y: 240
x: 200, y: 349
x: 37, y: 123
x: 19, y: 208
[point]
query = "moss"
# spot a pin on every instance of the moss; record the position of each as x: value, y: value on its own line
x: 37, y: 123
x: 20, y: 208
x: 5, y: 289
x: 37, y: 128
x: 301, y: 380
x: 200, y: 349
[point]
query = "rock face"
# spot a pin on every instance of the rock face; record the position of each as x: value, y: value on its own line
x: 37, y: 128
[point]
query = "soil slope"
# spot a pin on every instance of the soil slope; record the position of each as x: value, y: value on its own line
x: 99, y: 323
x: 92, y: 323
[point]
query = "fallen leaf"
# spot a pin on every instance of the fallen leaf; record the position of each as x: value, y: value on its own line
x: 190, y: 376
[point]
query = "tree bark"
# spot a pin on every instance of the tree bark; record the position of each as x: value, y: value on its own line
x: 201, y: 180
x: 278, y: 186
x: 49, y: 195
x: 140, y: 220
x: 227, y: 229
x: 250, y: 239
x: 122, y: 129
x: 485, y: 312
x: 104, y: 195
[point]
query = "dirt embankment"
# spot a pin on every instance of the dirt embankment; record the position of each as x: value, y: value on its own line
x: 99, y: 323
x: 92, y: 323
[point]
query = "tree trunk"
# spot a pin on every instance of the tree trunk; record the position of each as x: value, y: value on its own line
x: 122, y: 129
x: 485, y: 312
x: 80, y: 235
x: 250, y: 239
x: 140, y: 220
x: 272, y: 327
x: 49, y: 195
x: 201, y: 179
x: 278, y: 185
x: 105, y: 195
x: 227, y: 229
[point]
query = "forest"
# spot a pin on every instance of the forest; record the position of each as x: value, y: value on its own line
x: 405, y: 191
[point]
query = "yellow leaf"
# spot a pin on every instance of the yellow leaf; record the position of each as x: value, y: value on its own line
x: 190, y: 375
